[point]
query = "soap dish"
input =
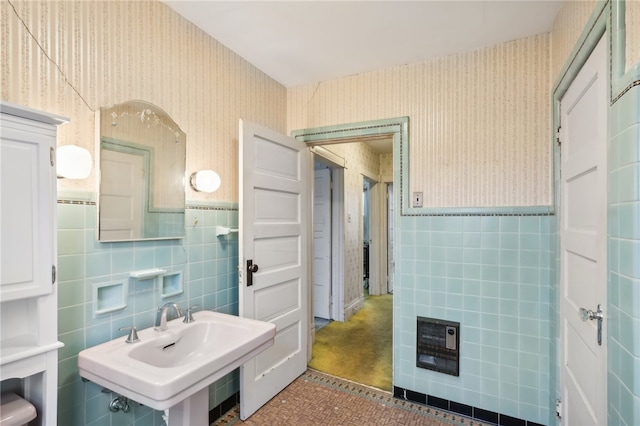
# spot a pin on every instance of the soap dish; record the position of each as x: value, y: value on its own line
x: 171, y: 285
x: 144, y: 274
x: 109, y: 297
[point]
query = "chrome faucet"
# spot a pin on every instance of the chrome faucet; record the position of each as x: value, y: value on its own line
x: 161, y: 316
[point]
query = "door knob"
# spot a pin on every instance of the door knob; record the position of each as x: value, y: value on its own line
x: 588, y: 314
x: 251, y: 268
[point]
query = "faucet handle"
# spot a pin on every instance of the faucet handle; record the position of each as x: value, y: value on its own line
x: 188, y: 317
x: 133, y: 334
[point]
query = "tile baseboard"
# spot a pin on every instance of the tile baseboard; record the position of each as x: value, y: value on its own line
x: 458, y: 408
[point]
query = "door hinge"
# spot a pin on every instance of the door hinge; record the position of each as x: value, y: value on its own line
x: 52, y: 156
x: 53, y: 274
x: 558, y: 135
x: 558, y: 408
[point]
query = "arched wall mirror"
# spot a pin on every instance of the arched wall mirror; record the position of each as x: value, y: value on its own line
x: 142, y: 174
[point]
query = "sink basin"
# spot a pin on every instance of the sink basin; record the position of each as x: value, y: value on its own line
x: 164, y: 368
x: 180, y: 346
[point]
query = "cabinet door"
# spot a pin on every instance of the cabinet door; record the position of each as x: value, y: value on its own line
x: 26, y: 208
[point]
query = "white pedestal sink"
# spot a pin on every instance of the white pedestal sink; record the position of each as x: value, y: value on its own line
x: 172, y: 369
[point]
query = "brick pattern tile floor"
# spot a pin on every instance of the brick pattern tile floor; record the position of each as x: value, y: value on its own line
x: 319, y: 399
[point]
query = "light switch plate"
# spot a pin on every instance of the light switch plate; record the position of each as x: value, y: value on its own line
x: 417, y: 199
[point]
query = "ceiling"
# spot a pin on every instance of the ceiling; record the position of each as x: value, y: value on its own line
x: 305, y: 42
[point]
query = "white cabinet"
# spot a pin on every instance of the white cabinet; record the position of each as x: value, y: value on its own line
x: 28, y: 296
x: 27, y: 179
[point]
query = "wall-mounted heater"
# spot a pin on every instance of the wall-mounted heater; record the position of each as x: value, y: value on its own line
x: 438, y: 345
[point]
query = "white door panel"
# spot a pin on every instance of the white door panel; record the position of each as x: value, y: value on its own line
x: 322, y: 244
x: 583, y: 232
x: 274, y: 227
x: 122, y: 180
x: 581, y: 244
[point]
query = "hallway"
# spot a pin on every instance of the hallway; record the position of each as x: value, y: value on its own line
x: 361, y: 348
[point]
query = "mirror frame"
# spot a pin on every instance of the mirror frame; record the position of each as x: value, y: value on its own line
x: 150, y: 115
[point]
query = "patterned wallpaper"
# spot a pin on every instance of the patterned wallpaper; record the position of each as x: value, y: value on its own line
x: 632, y: 23
x: 571, y: 22
x: 353, y: 290
x: 386, y: 167
x: 102, y: 53
x: 568, y: 26
x: 478, y: 121
x: 97, y: 54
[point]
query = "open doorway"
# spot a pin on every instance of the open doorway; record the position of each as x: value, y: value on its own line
x: 350, y: 233
x: 351, y: 226
x: 351, y: 259
x: 347, y: 150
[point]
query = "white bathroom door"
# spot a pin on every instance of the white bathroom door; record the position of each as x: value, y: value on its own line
x: 275, y: 229
x: 322, y: 244
x: 583, y: 236
x: 123, y: 182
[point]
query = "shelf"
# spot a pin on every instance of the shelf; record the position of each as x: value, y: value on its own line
x: 20, y: 347
x: 144, y: 274
x: 224, y: 230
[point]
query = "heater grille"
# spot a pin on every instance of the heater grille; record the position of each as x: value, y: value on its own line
x: 438, y: 345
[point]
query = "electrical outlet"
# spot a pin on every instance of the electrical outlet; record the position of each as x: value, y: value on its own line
x: 417, y: 199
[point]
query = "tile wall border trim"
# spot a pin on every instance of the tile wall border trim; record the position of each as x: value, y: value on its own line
x: 483, y: 211
x: 89, y: 199
x: 77, y: 202
x: 475, y: 413
x: 187, y: 207
x: 625, y: 91
x: 218, y: 208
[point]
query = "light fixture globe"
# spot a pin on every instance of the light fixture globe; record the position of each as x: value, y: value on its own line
x: 73, y: 162
x: 205, y: 181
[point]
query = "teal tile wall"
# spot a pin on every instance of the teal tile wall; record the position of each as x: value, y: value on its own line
x: 624, y: 261
x: 208, y: 264
x: 493, y: 275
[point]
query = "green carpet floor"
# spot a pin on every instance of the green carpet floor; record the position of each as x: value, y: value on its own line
x: 361, y: 348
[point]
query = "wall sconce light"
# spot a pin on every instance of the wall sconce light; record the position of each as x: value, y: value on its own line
x: 73, y: 162
x: 205, y: 181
